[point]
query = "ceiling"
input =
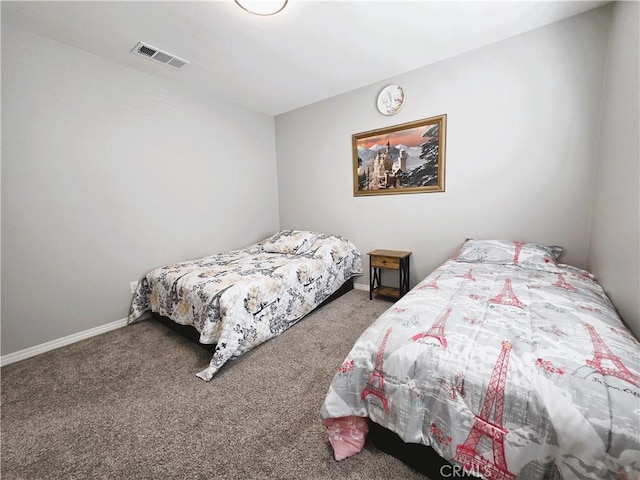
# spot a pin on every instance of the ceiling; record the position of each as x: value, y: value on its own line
x: 311, y: 51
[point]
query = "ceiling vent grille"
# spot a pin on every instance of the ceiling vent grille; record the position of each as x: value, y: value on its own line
x: 146, y: 50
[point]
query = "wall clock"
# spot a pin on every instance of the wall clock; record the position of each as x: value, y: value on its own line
x: 390, y: 99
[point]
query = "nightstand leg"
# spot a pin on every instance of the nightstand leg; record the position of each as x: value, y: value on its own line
x: 374, y: 280
x: 371, y: 281
x: 404, y: 276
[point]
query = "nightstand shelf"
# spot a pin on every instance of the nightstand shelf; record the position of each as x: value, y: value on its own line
x: 392, y: 260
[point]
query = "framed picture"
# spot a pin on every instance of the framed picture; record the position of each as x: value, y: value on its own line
x: 406, y: 158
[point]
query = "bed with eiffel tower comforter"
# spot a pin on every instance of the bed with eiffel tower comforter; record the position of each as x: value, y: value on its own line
x: 505, y: 362
x: 242, y: 298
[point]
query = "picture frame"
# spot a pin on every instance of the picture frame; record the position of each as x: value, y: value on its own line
x: 405, y: 158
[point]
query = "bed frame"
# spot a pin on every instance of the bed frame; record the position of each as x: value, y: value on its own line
x: 189, y: 332
x: 420, y: 457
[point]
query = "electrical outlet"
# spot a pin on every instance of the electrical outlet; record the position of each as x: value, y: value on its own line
x: 133, y: 286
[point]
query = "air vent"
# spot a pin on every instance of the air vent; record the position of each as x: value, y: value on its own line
x: 146, y: 50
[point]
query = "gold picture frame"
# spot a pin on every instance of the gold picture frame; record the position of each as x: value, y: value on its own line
x: 406, y: 158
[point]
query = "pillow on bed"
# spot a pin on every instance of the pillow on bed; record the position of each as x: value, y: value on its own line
x: 505, y: 252
x: 292, y: 242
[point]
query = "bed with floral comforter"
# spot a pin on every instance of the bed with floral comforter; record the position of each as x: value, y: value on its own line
x: 241, y: 298
x: 508, y: 364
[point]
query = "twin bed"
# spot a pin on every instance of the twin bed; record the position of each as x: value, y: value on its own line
x: 239, y: 299
x: 502, y: 363
x: 505, y: 363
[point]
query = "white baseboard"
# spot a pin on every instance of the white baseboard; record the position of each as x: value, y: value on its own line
x: 60, y: 342
x: 92, y: 332
x: 361, y: 286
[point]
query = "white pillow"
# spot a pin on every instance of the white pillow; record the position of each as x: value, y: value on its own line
x: 292, y: 242
x: 506, y: 252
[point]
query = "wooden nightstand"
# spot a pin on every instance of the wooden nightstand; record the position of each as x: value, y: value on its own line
x: 390, y: 259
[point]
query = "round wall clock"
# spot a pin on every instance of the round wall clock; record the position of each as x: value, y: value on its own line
x: 390, y: 99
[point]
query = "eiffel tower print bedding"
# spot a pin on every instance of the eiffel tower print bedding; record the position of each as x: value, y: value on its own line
x: 242, y: 298
x: 505, y: 362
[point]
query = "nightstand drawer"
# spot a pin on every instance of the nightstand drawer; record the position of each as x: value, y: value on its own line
x: 385, y: 262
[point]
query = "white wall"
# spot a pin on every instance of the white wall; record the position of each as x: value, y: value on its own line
x: 521, y: 148
x: 107, y: 173
x: 614, y: 249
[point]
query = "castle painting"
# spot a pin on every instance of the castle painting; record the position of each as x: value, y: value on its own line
x: 407, y: 158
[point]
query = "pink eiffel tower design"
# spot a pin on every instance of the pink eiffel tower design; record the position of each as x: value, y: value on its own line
x: 375, y: 385
x: 483, y: 427
x: 432, y: 284
x: 562, y: 283
x: 602, y: 352
x: 516, y: 254
x: 437, y: 330
x: 468, y: 275
x: 507, y: 297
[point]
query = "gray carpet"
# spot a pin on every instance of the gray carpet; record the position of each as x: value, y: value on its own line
x: 127, y: 405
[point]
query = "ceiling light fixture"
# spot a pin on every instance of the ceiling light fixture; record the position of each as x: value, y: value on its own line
x: 262, y: 7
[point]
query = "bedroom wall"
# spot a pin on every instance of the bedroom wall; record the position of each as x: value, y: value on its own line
x: 522, y: 130
x: 614, y: 247
x: 107, y: 173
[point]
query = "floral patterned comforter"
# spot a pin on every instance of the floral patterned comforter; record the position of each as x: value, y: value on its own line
x: 241, y: 298
x: 507, y: 372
